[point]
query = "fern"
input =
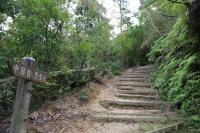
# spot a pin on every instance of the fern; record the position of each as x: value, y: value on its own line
x: 177, y: 73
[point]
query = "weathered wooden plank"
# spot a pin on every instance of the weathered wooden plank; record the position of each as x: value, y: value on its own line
x: 22, y: 101
x: 23, y: 71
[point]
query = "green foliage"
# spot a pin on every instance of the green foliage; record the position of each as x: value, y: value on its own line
x: 59, y: 39
x: 116, y: 67
x: 8, y: 7
x: 174, y: 81
x: 7, y: 95
x: 3, y: 68
x: 6, y: 99
x: 131, y: 40
x: 37, y: 32
x: 191, y: 105
x: 176, y: 73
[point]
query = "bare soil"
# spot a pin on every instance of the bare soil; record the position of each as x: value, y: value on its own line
x: 69, y: 114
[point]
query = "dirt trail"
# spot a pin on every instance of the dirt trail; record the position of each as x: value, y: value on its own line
x: 69, y: 114
x: 120, y: 105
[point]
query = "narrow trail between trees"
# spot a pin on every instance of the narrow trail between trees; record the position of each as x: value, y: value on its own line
x: 125, y: 104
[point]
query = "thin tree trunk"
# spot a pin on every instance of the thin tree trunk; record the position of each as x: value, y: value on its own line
x: 123, y: 58
x: 150, y: 18
x: 47, y: 49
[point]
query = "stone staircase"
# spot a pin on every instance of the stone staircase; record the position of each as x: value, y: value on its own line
x: 135, y: 101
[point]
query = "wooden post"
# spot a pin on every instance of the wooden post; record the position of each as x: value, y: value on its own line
x: 22, y: 101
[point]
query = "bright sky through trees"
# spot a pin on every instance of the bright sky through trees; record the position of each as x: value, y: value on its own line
x: 113, y: 12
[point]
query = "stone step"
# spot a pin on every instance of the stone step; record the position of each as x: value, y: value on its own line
x: 143, y: 68
x: 140, y: 71
x: 143, y: 72
x: 134, y: 84
x: 129, y: 113
x: 131, y: 96
x: 169, y: 114
x: 133, y: 88
x: 131, y: 110
x: 138, y: 92
x: 139, y: 86
x: 136, y: 74
x: 134, y: 103
x: 130, y: 117
x: 133, y: 76
x: 134, y: 79
x: 147, y: 67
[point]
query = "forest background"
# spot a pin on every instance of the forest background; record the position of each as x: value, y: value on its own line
x: 64, y: 35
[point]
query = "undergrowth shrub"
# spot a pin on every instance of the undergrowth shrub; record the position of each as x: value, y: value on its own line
x: 60, y: 83
x: 116, y: 67
x: 7, y: 96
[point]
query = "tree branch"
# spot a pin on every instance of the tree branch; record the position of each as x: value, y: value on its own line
x: 150, y: 3
x: 151, y: 19
x: 166, y: 15
x: 173, y: 1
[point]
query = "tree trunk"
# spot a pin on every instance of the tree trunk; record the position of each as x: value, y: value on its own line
x: 22, y: 102
x: 123, y: 57
x: 194, y: 19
